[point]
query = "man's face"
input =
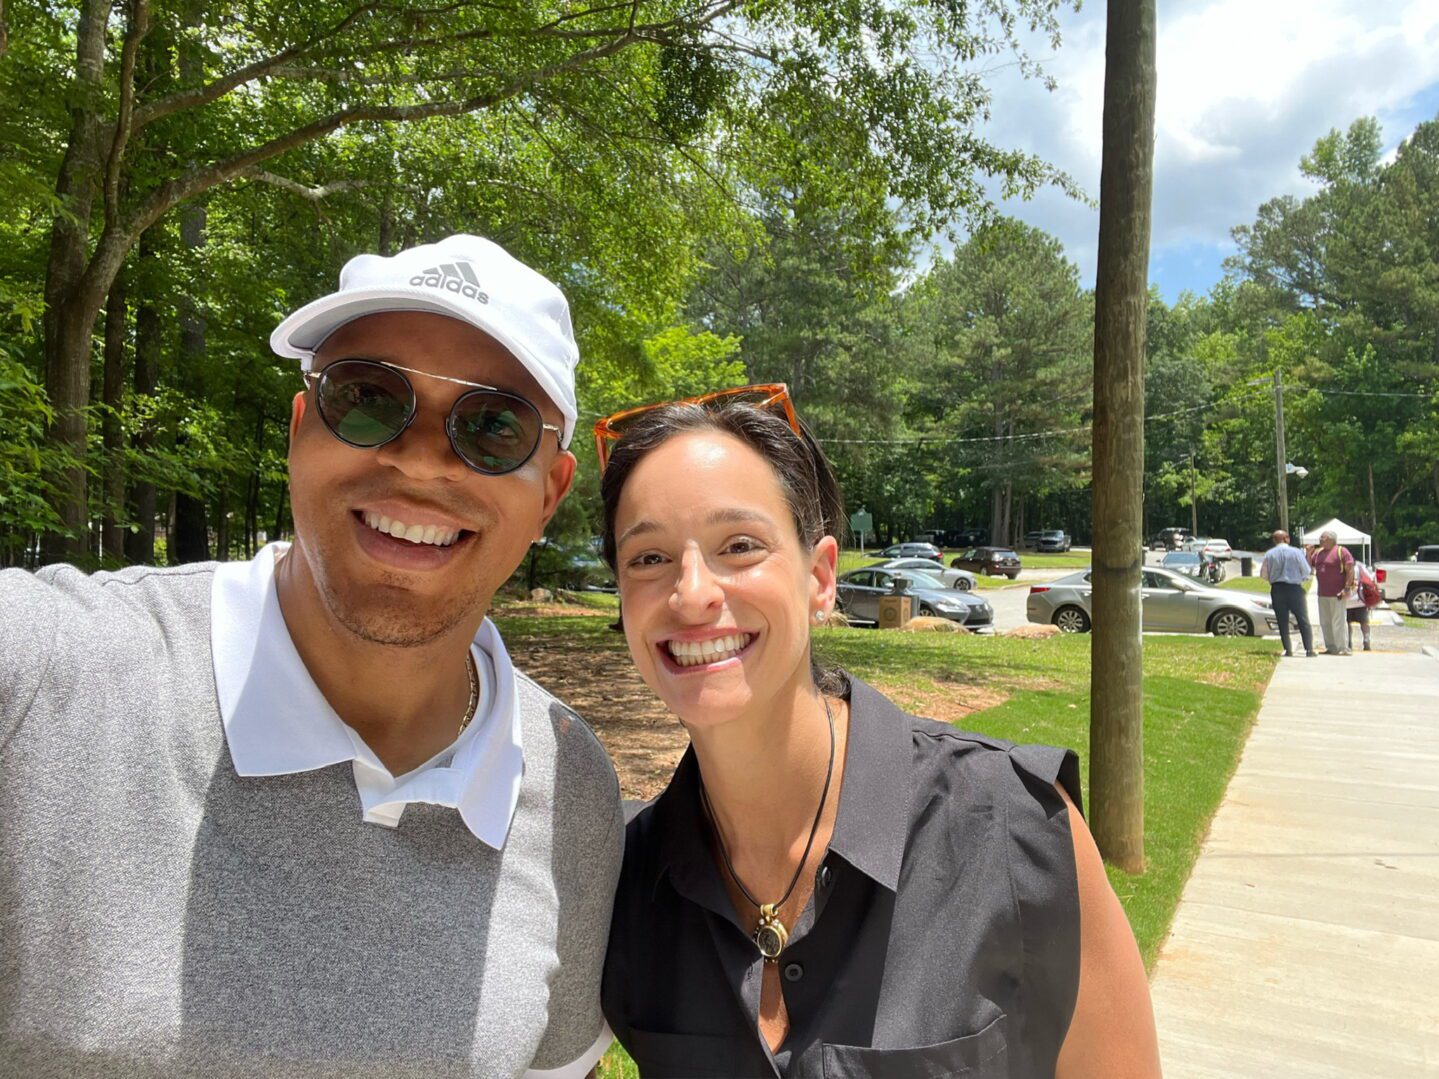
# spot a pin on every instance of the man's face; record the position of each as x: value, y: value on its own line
x: 390, y: 590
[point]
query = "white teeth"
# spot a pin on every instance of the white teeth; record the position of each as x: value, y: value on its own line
x: 433, y: 535
x: 691, y: 653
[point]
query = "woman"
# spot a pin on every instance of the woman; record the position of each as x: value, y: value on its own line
x: 1356, y: 609
x: 828, y: 886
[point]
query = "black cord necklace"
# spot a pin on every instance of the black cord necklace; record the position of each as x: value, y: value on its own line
x: 770, y: 936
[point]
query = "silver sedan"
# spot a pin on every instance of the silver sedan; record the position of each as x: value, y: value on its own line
x: 961, y: 579
x: 1171, y: 603
x: 860, y: 591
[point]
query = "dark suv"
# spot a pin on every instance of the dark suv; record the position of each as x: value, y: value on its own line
x: 993, y: 561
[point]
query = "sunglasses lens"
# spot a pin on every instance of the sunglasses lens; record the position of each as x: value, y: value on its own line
x: 495, y: 432
x: 364, y: 403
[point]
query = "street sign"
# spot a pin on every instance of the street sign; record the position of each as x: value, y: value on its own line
x: 860, y: 523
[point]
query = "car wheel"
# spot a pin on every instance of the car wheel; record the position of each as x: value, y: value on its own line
x: 1071, y: 620
x: 1231, y: 624
x: 926, y: 611
x: 961, y: 584
x: 1423, y: 602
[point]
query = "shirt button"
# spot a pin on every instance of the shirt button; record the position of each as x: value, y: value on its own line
x: 823, y: 877
x: 793, y: 972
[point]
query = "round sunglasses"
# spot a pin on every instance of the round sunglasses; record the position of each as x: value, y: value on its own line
x: 366, y: 404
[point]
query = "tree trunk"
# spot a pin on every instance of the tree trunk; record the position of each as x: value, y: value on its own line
x: 149, y: 344
x: 1373, y: 515
x: 192, y: 534
x: 70, y: 312
x: 112, y: 531
x: 1116, y: 732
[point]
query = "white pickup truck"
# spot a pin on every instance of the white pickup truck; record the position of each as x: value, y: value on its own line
x: 1416, y: 582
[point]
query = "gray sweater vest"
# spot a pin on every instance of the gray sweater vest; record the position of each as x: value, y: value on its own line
x: 162, y: 916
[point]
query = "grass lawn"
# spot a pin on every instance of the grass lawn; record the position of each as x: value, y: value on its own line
x: 1253, y: 584
x: 1200, y: 697
x: 1246, y: 584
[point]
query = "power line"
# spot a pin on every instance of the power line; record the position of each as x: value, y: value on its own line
x: 1370, y: 393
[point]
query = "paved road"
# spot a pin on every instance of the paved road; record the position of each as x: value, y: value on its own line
x: 1307, y: 939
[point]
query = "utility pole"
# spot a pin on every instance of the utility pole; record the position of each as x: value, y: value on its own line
x: 1193, y: 505
x: 1279, y: 451
x: 1121, y: 291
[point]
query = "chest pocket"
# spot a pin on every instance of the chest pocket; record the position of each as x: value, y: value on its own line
x: 975, y: 1056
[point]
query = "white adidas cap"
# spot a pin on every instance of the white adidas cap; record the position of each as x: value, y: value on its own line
x: 465, y: 277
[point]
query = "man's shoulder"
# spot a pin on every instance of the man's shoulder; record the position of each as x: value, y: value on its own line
x: 64, y: 583
x: 69, y: 600
x: 577, y: 749
x: 67, y: 635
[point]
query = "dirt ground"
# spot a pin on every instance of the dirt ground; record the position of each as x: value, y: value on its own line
x: 640, y: 734
x: 642, y: 737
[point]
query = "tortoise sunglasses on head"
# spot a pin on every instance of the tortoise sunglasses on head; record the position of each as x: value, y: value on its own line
x: 766, y: 395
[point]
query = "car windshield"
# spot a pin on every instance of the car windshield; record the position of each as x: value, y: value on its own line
x: 922, y: 580
x: 1181, y: 558
x: 997, y: 556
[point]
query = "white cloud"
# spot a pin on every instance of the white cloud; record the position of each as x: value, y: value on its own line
x: 1244, y: 89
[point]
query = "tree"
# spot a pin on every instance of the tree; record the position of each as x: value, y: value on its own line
x: 178, y: 100
x: 1116, y: 739
x: 1000, y: 333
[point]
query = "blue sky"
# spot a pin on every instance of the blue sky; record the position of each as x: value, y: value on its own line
x: 1245, y: 88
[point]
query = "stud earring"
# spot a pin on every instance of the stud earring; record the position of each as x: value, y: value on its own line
x: 820, y: 616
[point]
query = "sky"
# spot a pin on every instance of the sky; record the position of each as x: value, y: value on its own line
x: 1245, y: 87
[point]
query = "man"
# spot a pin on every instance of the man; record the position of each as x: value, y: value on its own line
x: 1286, y: 570
x: 300, y: 816
x: 1334, y: 577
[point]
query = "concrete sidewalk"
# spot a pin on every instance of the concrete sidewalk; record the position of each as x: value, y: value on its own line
x: 1307, y: 940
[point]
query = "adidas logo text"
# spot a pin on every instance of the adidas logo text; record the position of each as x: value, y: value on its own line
x: 453, y: 277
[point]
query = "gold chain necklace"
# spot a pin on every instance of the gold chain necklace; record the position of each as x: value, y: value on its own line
x: 474, y: 692
x: 770, y: 935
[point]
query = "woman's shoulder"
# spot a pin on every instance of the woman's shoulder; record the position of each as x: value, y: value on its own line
x: 974, y: 767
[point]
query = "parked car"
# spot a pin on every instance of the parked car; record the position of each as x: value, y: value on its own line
x: 971, y: 537
x: 1170, y: 602
x: 1185, y: 562
x: 1219, y: 548
x: 1416, y: 581
x: 991, y: 561
x: 1169, y: 539
x: 1053, y: 540
x: 1030, y: 540
x: 913, y: 550
x: 859, y: 592
x: 961, y: 579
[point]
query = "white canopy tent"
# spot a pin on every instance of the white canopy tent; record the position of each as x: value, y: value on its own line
x: 1349, y: 536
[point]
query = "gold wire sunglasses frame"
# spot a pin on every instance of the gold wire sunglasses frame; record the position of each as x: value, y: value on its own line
x: 313, y: 380
x: 765, y: 395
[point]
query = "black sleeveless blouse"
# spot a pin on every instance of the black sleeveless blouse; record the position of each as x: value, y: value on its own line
x: 942, y: 937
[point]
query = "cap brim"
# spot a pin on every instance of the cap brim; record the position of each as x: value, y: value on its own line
x: 299, y: 335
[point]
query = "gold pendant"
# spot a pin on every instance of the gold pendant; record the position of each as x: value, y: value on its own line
x: 770, y: 935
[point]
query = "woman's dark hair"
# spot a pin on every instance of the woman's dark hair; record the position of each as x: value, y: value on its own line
x: 804, y: 475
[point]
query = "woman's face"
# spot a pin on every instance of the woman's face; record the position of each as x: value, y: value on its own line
x: 717, y: 590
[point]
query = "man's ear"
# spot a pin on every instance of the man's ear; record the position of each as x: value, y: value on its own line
x: 558, y: 480
x: 297, y: 413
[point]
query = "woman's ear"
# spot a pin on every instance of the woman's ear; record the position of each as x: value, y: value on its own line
x: 824, y: 569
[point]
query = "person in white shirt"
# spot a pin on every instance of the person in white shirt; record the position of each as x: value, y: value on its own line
x: 300, y: 816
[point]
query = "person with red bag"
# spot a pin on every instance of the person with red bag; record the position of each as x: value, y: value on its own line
x: 1357, y: 601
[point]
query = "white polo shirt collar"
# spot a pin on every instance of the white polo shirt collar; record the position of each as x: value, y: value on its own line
x: 277, y: 722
